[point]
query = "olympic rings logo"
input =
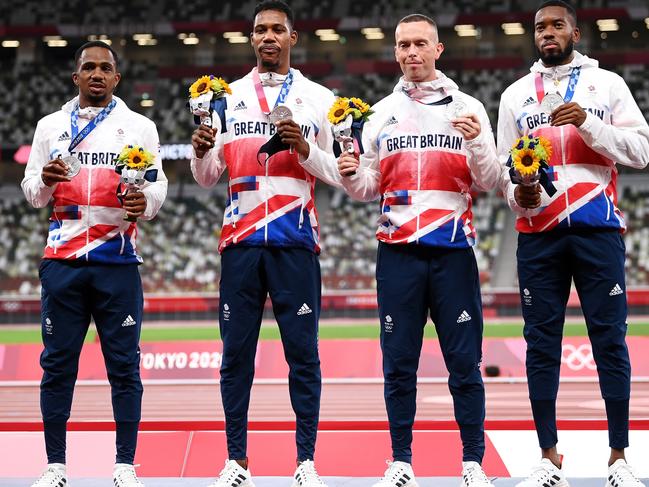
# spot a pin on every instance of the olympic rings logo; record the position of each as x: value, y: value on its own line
x: 578, y: 357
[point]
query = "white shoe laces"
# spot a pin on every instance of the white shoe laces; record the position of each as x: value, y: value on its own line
x: 228, y: 474
x: 474, y: 473
x: 124, y: 475
x: 541, y: 474
x: 50, y: 477
x: 625, y: 475
x: 394, y: 472
x: 307, y: 474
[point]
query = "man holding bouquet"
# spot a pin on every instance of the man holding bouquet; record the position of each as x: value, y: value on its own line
x: 569, y: 224
x: 426, y: 145
x: 273, y: 138
x: 90, y: 266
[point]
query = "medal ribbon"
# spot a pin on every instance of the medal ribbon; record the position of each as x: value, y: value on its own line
x: 283, y: 92
x: 570, y: 91
x: 77, y: 136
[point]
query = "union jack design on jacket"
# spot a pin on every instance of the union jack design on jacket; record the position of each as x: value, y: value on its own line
x: 422, y: 168
x: 87, y: 217
x: 582, y: 166
x: 270, y: 203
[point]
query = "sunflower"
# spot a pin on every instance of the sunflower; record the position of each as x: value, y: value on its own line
x: 546, y: 146
x: 526, y: 162
x: 201, y: 86
x: 219, y: 86
x: 135, y: 157
x: 339, y: 110
x: 360, y: 104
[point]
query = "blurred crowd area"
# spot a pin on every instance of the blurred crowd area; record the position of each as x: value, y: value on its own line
x: 180, y: 246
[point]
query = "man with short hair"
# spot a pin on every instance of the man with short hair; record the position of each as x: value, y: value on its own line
x: 426, y: 145
x: 270, y: 236
x: 572, y: 230
x: 90, y: 266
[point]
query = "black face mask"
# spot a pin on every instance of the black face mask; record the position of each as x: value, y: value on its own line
x: 558, y: 58
x: 270, y: 148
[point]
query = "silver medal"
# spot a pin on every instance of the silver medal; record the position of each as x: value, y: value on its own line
x: 280, y: 112
x: 551, y: 102
x: 456, y: 109
x: 73, y: 163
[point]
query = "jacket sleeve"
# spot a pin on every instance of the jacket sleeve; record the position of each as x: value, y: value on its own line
x: 36, y: 192
x: 364, y: 185
x: 154, y: 192
x: 483, y: 161
x: 321, y: 162
x: 626, y: 139
x: 508, y: 132
x: 208, y: 170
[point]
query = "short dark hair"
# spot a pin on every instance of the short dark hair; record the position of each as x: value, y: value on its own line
x: 560, y: 3
x: 90, y: 44
x: 87, y: 45
x: 279, y: 5
x: 418, y: 18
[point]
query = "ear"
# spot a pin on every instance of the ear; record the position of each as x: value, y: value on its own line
x: 396, y: 57
x: 293, y: 38
x: 576, y: 35
x: 439, y: 49
x: 75, y: 78
x: 118, y: 77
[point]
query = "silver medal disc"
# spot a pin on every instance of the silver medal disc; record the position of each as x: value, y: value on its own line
x: 456, y: 109
x: 73, y: 163
x: 280, y: 112
x: 551, y: 102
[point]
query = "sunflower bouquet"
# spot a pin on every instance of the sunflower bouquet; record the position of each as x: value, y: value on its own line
x: 133, y: 166
x: 347, y: 116
x: 203, y: 93
x: 529, y: 158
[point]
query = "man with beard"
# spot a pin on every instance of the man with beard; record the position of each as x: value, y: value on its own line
x: 90, y: 265
x: 269, y: 240
x: 572, y: 228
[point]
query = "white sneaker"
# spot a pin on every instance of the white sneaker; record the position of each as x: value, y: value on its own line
x: 620, y: 474
x: 398, y: 474
x: 546, y: 474
x: 474, y: 476
x: 233, y: 475
x: 306, y: 476
x: 124, y: 476
x: 53, y: 476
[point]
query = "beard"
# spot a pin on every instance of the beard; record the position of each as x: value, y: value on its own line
x: 556, y: 58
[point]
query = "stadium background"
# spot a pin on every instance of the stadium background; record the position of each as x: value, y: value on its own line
x: 348, y: 46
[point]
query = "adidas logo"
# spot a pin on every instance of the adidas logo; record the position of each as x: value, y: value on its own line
x: 129, y: 321
x: 64, y: 136
x: 529, y: 101
x: 391, y: 121
x: 464, y: 317
x: 616, y: 290
x: 304, y: 310
x: 240, y: 106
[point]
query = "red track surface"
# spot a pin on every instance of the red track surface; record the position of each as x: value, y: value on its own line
x: 340, y: 402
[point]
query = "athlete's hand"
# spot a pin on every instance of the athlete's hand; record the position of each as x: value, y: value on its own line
x: 291, y: 134
x: 134, y: 204
x: 568, y: 113
x: 203, y: 140
x: 468, y: 125
x: 55, y: 171
x: 528, y: 197
x: 347, y: 164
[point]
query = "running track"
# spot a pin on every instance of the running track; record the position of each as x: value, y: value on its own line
x: 340, y: 402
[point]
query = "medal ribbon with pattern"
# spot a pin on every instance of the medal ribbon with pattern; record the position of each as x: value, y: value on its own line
x: 570, y: 91
x: 261, y: 96
x: 77, y: 136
